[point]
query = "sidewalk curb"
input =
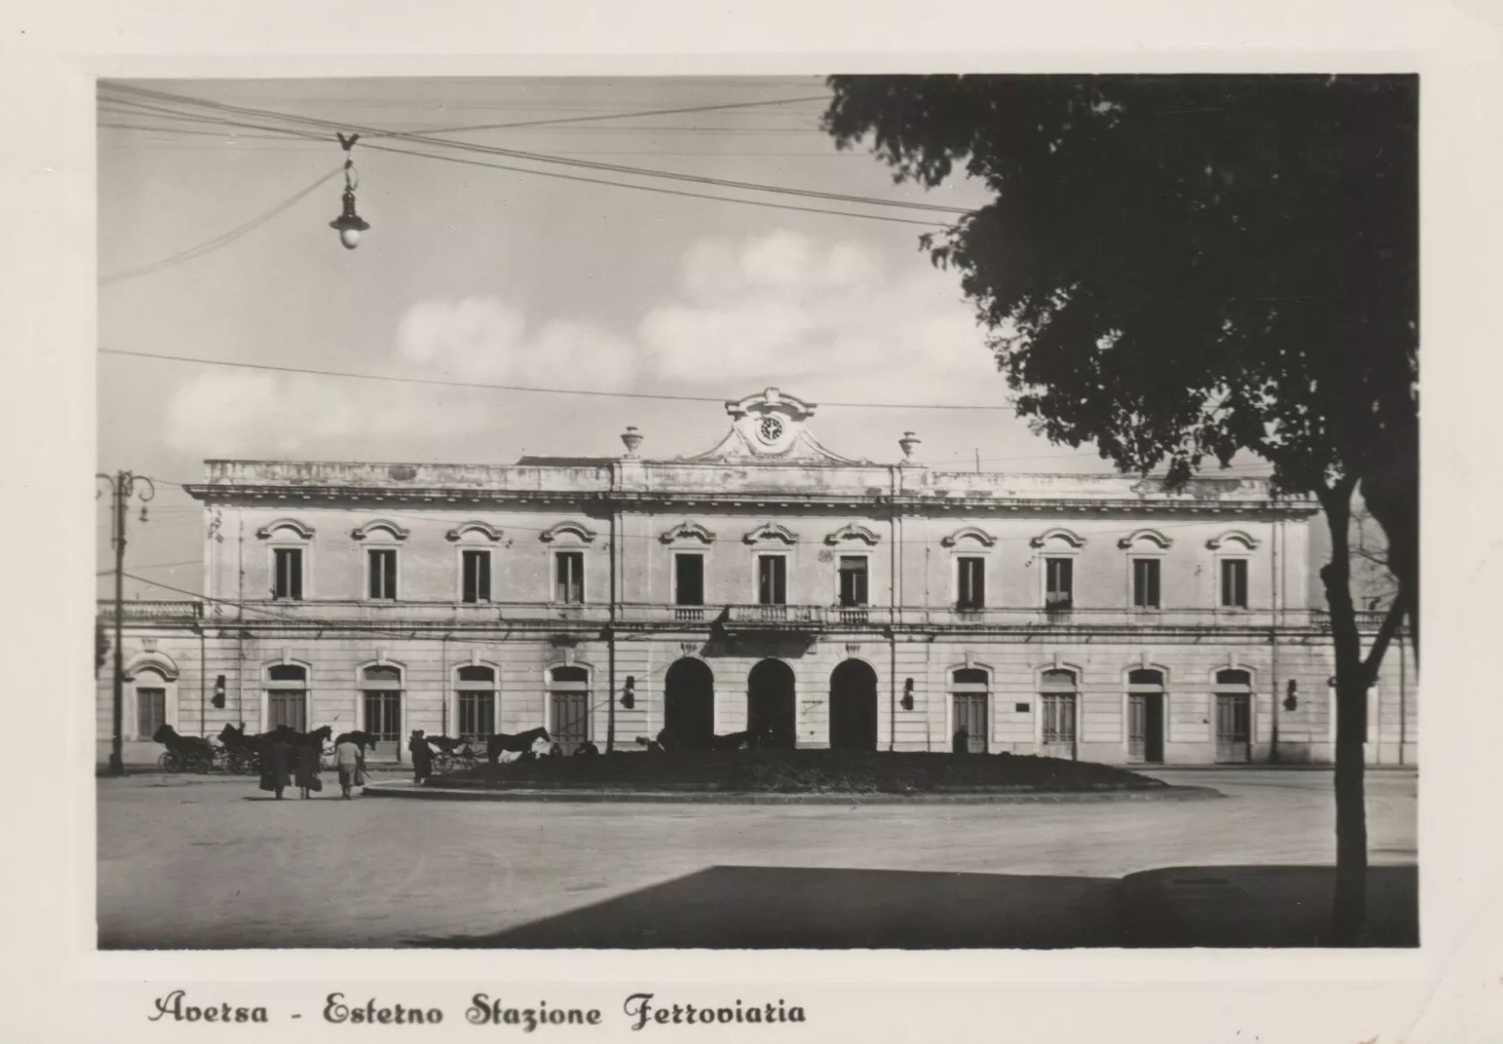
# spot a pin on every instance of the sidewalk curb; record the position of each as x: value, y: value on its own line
x: 412, y: 791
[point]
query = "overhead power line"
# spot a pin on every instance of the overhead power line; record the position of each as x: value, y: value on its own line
x: 535, y: 157
x: 481, y: 385
x: 222, y: 240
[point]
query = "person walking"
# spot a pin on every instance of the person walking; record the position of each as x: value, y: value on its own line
x: 348, y: 758
x: 277, y: 762
x: 309, y: 761
x: 422, y: 757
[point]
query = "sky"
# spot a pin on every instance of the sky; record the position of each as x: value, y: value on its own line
x: 486, y: 276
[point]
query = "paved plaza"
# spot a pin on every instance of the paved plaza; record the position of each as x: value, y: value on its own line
x: 190, y: 862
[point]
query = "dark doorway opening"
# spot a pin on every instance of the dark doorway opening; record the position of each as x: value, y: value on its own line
x: 770, y: 713
x: 1145, y: 738
x: 689, y: 702
x: 853, y: 706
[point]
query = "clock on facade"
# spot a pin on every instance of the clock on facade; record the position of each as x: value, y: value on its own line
x: 770, y: 430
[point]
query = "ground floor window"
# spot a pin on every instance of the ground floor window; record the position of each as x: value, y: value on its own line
x: 477, y: 701
x: 569, y: 706
x: 1145, y: 716
x: 287, y: 696
x: 1233, y: 698
x: 382, y: 700
x: 151, y: 711
x: 968, y: 694
x: 1057, y: 707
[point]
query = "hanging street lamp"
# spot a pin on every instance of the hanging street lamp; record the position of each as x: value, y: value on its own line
x: 349, y: 224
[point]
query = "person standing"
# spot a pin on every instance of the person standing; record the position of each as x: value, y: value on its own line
x: 309, y: 761
x: 422, y: 756
x: 277, y: 762
x: 347, y: 758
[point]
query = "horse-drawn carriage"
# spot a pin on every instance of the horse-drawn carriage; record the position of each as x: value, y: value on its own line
x: 184, y: 753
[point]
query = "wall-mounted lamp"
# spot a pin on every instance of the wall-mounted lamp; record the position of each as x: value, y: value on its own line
x: 629, y: 695
x: 907, y: 700
x: 218, y: 699
x: 1291, y: 698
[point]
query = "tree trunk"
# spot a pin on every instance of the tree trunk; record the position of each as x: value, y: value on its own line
x: 1350, y: 899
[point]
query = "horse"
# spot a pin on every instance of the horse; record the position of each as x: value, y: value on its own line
x: 364, y: 740
x: 233, y: 738
x: 176, y: 743
x: 520, y: 743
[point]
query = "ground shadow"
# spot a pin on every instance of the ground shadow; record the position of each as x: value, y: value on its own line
x: 744, y: 907
x: 750, y: 907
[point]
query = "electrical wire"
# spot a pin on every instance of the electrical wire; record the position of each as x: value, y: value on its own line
x: 536, y: 157
x: 220, y: 241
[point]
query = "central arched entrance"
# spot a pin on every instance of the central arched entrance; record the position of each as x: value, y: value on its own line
x: 689, y: 702
x: 770, y: 716
x: 853, y: 706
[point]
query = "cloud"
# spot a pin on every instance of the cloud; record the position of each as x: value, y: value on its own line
x: 818, y: 319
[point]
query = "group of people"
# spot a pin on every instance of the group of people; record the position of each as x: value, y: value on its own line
x: 302, y: 763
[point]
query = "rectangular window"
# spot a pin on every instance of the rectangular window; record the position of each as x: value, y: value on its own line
x: 1234, y: 583
x: 1059, y: 582
x: 289, y: 573
x: 286, y: 708
x: 772, y: 580
x: 852, y: 581
x: 477, y: 713
x: 688, y: 579
x: 477, y: 576
x: 1145, y: 583
x: 151, y: 712
x: 970, y: 583
x: 1059, y: 717
x: 383, y: 573
x: 568, y: 575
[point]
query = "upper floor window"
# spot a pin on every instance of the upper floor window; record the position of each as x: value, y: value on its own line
x: 475, y: 566
x: 688, y: 579
x: 1059, y: 583
x: 1234, y: 583
x: 852, y: 580
x: 970, y: 583
x: 568, y: 577
x: 287, y: 564
x: 772, y: 580
x: 381, y: 573
x: 1145, y: 583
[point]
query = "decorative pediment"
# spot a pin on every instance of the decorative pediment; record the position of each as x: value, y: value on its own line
x: 302, y: 530
x: 577, y: 529
x: 1058, y: 535
x: 852, y: 531
x: 770, y: 427
x: 974, y: 534
x: 380, y: 524
x: 688, y: 531
x: 1152, y: 536
x: 1231, y: 539
x: 770, y: 531
x: 485, y: 528
x: 151, y: 660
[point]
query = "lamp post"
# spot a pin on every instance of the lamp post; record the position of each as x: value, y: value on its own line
x: 122, y: 486
x: 349, y: 224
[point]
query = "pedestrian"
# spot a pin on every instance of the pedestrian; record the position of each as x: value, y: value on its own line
x: 276, y: 762
x: 309, y: 761
x: 348, y: 758
x: 422, y: 757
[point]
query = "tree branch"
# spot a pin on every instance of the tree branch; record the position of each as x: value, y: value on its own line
x: 1390, y: 627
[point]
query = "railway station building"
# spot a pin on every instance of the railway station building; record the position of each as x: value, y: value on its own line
x: 767, y: 584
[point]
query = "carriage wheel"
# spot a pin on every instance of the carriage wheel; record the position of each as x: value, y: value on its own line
x: 443, y: 762
x: 170, y: 762
x: 201, y: 763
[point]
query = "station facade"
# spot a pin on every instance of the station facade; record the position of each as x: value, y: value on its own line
x: 767, y: 585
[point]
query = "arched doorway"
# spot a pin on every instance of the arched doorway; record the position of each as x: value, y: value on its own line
x: 689, y: 702
x: 770, y: 715
x: 853, y: 706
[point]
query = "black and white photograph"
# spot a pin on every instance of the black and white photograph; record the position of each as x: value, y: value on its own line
x: 839, y: 512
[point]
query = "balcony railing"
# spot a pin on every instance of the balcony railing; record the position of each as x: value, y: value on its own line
x: 770, y: 617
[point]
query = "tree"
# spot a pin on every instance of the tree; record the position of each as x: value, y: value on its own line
x: 1180, y: 268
